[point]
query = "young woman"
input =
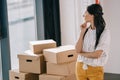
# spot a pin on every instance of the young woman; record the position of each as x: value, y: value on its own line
x: 93, y: 45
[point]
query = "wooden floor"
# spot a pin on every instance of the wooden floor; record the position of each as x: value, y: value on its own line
x: 109, y: 76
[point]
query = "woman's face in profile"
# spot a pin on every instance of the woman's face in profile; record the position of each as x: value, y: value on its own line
x: 88, y: 17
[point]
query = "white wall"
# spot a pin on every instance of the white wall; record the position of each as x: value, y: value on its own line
x: 112, y: 17
x: 71, y: 16
x: 67, y: 19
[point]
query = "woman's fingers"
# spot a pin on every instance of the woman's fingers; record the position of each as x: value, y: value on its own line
x: 84, y: 25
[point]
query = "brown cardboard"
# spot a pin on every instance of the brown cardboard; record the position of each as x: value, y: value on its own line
x: 61, y: 69
x: 16, y: 75
x: 70, y: 77
x: 38, y: 46
x: 56, y: 77
x: 60, y: 54
x: 51, y: 77
x: 32, y: 63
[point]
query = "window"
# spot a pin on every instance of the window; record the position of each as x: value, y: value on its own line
x: 22, y: 27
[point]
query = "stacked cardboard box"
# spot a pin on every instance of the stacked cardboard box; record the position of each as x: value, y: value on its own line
x: 62, y: 54
x: 64, y: 69
x: 56, y: 77
x: 32, y: 63
x: 45, y: 61
x: 38, y: 46
x: 16, y: 75
x: 51, y: 77
x: 60, y: 63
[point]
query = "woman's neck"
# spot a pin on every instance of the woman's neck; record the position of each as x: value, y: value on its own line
x: 92, y: 26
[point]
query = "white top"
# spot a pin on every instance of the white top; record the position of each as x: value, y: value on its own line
x: 88, y: 46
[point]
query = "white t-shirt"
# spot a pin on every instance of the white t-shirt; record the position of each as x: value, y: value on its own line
x: 88, y: 46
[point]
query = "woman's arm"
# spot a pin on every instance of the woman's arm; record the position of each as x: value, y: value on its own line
x: 79, y: 43
x: 103, y: 46
x: 95, y: 54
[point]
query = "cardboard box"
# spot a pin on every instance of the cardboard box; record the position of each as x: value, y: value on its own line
x: 56, y: 77
x: 51, y: 77
x: 61, y: 69
x: 71, y: 77
x: 32, y: 63
x: 38, y: 46
x: 60, y: 54
x: 16, y: 75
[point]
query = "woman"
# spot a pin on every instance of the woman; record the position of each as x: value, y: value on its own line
x: 92, y: 46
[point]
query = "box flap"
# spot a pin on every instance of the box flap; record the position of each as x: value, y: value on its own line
x: 60, y: 49
x: 29, y: 56
x: 29, y: 52
x: 42, y: 42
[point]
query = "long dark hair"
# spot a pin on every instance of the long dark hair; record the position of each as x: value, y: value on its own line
x: 99, y: 23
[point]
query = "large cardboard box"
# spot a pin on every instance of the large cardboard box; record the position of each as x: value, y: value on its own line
x: 61, y: 69
x: 51, y: 77
x: 32, y: 63
x: 16, y: 75
x: 38, y: 46
x: 60, y: 54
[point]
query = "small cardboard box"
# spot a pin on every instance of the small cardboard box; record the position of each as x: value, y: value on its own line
x: 38, y: 46
x: 51, y: 77
x: 60, y: 54
x: 16, y: 75
x: 61, y: 69
x: 32, y: 63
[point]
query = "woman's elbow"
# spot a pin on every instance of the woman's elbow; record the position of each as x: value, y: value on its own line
x: 78, y: 50
x: 98, y: 53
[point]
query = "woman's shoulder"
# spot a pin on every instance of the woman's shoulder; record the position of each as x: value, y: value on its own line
x: 106, y: 30
x: 106, y: 33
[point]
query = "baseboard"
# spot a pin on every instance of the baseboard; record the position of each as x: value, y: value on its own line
x: 112, y: 76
